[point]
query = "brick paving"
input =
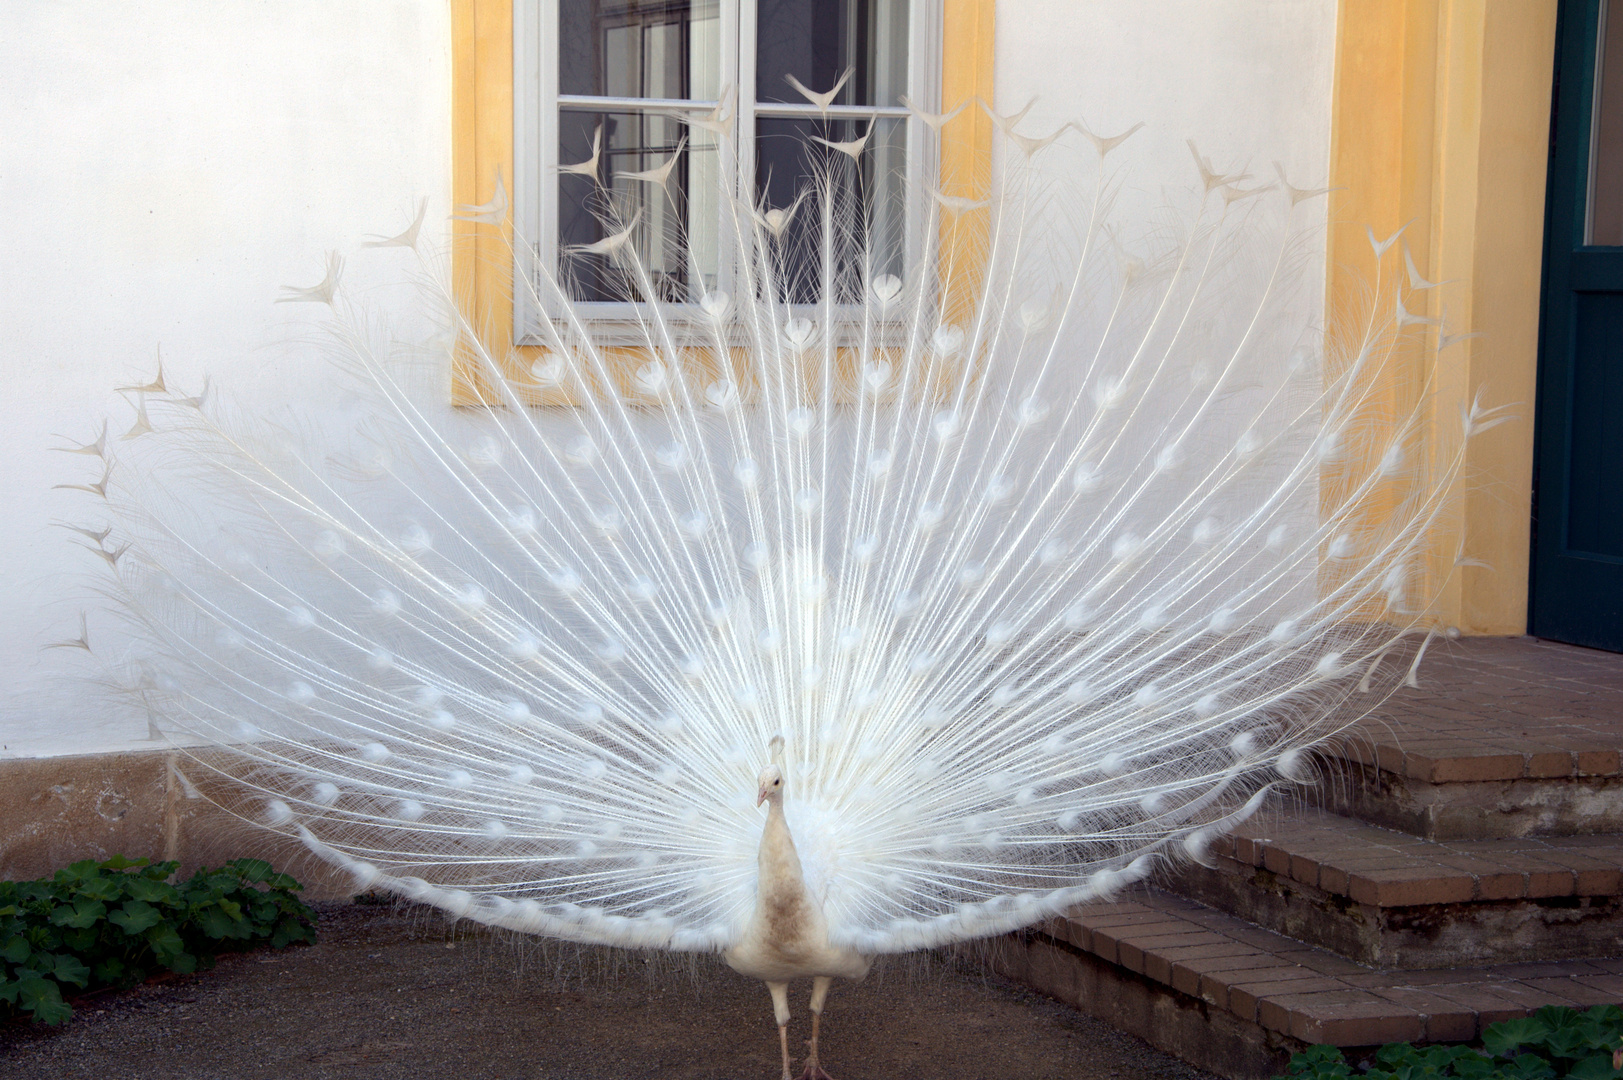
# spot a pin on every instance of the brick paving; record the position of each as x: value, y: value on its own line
x: 1499, y: 709
x: 1314, y: 995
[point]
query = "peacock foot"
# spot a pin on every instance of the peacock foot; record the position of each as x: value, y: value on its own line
x: 814, y: 1071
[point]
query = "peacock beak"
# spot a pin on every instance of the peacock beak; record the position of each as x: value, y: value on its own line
x: 761, y: 798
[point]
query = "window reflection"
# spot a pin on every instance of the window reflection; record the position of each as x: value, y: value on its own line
x: 639, y: 48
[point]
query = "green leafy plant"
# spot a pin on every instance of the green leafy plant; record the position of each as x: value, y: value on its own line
x: 1555, y: 1043
x: 113, y: 923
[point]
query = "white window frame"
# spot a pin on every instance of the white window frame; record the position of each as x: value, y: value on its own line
x: 536, y: 104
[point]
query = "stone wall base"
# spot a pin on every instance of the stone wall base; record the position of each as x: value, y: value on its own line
x: 152, y: 804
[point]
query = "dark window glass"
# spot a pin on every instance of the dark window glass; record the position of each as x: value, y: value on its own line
x: 817, y: 42
x: 639, y: 48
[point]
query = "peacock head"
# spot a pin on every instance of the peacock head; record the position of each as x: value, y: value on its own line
x: 771, y: 785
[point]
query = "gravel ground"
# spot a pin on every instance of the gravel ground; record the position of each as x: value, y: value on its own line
x: 397, y: 992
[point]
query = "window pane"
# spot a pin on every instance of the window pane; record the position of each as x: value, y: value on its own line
x: 640, y: 48
x: 1606, y: 148
x: 675, y: 235
x: 817, y: 40
x: 868, y: 200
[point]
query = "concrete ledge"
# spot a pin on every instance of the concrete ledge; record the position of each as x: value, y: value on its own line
x: 156, y: 804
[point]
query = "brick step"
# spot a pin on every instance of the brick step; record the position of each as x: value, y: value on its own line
x: 1504, y: 737
x: 1396, y: 900
x: 1468, y: 786
x: 1235, y: 998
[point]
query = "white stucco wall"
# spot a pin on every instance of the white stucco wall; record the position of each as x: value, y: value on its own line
x: 1249, y: 82
x: 165, y: 166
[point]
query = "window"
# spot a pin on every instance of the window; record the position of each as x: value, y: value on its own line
x: 604, y: 90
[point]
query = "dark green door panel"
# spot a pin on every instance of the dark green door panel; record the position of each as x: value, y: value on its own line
x: 1577, y: 581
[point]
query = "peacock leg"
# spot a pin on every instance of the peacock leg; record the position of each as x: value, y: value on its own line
x: 814, y: 1070
x: 780, y: 1011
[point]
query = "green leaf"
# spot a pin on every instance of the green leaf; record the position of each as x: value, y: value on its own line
x: 1601, y: 1033
x: 264, y: 912
x: 70, y: 969
x: 1529, y: 1067
x: 153, y: 892
x: 1569, y: 1041
x: 135, y: 917
x: 119, y: 862
x: 251, y: 870
x: 102, y: 888
x: 85, y: 912
x: 1393, y: 1054
x: 216, y: 923
x: 166, y: 945
x: 42, y: 998
x: 290, y: 930
x: 8, y: 990
x: 1502, y: 1039
x: 83, y: 870
x: 1318, y: 1062
x: 15, y: 950
x: 1608, y: 1015
x: 111, y: 970
x: 82, y: 940
x: 1595, y: 1067
x: 1556, y: 1017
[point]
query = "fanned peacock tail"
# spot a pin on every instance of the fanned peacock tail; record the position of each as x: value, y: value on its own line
x: 1047, y: 548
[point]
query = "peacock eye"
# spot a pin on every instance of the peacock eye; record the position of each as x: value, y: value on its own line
x: 775, y: 783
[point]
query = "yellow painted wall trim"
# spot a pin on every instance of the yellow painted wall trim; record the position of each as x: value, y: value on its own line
x: 968, y: 29
x: 481, y: 151
x: 1440, y: 125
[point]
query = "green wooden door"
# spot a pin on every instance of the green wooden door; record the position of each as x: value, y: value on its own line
x: 1577, y: 589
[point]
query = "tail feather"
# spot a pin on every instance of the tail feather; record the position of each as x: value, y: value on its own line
x: 1031, y: 588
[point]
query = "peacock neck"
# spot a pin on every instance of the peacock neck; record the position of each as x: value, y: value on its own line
x: 779, y: 861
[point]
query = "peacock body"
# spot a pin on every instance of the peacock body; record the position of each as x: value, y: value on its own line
x: 1046, y: 551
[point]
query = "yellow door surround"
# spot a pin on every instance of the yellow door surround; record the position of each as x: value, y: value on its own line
x: 1441, y: 127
